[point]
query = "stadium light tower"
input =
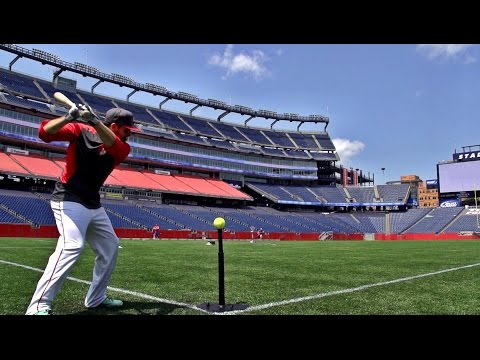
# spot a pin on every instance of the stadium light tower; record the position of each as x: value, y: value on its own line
x: 383, y: 175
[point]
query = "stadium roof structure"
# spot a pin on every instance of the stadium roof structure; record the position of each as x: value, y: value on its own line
x: 124, y: 81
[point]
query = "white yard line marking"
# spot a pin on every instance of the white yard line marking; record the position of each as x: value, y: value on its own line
x: 264, y: 306
x: 24, y: 247
x: 123, y: 291
x: 346, y: 291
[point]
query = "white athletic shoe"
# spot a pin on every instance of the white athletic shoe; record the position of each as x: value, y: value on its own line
x: 111, y: 303
x: 44, y: 312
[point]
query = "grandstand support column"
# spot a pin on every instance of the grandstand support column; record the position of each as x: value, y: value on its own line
x: 222, y: 115
x: 57, y: 73
x: 250, y: 118
x: 195, y: 108
x: 41, y: 90
x: 163, y: 102
x: 13, y: 62
x: 96, y: 84
x: 133, y: 92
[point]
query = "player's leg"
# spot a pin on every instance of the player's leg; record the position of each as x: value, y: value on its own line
x: 104, y: 242
x: 72, y: 221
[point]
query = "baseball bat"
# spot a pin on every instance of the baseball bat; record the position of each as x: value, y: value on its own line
x: 61, y: 98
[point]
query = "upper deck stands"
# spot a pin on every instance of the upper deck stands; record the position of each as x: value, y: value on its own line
x: 324, y: 141
x: 99, y: 104
x: 201, y: 126
x: 20, y: 84
x: 49, y: 89
x: 27, y: 104
x: 171, y: 121
x: 361, y: 194
x: 280, y: 139
x: 304, y: 141
x: 230, y: 132
x: 139, y: 113
x: 43, y: 90
x: 394, y: 193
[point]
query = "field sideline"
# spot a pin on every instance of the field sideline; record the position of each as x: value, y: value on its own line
x: 271, y: 277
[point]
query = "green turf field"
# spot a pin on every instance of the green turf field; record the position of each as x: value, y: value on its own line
x: 169, y: 277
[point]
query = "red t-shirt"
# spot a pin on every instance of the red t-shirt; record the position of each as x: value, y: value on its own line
x: 89, y: 162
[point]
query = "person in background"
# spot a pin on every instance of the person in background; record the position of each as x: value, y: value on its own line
x: 156, y: 231
x: 260, y: 233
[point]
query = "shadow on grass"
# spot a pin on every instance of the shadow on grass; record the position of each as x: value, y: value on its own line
x: 134, y: 308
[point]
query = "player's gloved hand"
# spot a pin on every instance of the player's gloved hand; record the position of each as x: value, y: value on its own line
x: 87, y: 115
x: 72, y: 114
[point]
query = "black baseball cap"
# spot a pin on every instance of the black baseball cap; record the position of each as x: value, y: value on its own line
x: 121, y: 117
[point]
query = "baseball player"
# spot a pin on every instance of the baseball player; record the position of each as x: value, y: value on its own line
x: 95, y: 149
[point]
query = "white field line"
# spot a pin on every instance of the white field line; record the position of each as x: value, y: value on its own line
x: 123, y: 291
x: 346, y: 291
x: 24, y: 247
x: 264, y: 306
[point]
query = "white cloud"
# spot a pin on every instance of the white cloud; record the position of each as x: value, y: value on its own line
x: 447, y: 51
x: 347, y: 149
x: 247, y: 63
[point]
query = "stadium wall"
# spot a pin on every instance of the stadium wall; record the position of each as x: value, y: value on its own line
x: 427, y: 236
x: 50, y: 231
x: 14, y: 230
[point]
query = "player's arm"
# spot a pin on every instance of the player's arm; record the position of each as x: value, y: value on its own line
x: 53, y: 126
x: 107, y: 135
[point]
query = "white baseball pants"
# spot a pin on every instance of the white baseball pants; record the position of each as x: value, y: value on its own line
x: 77, y: 224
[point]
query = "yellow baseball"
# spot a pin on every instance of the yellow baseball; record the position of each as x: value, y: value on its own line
x: 219, y: 223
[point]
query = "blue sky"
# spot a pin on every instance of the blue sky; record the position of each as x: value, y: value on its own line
x: 403, y: 107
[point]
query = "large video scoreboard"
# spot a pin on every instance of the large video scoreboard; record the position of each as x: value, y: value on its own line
x: 459, y: 180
